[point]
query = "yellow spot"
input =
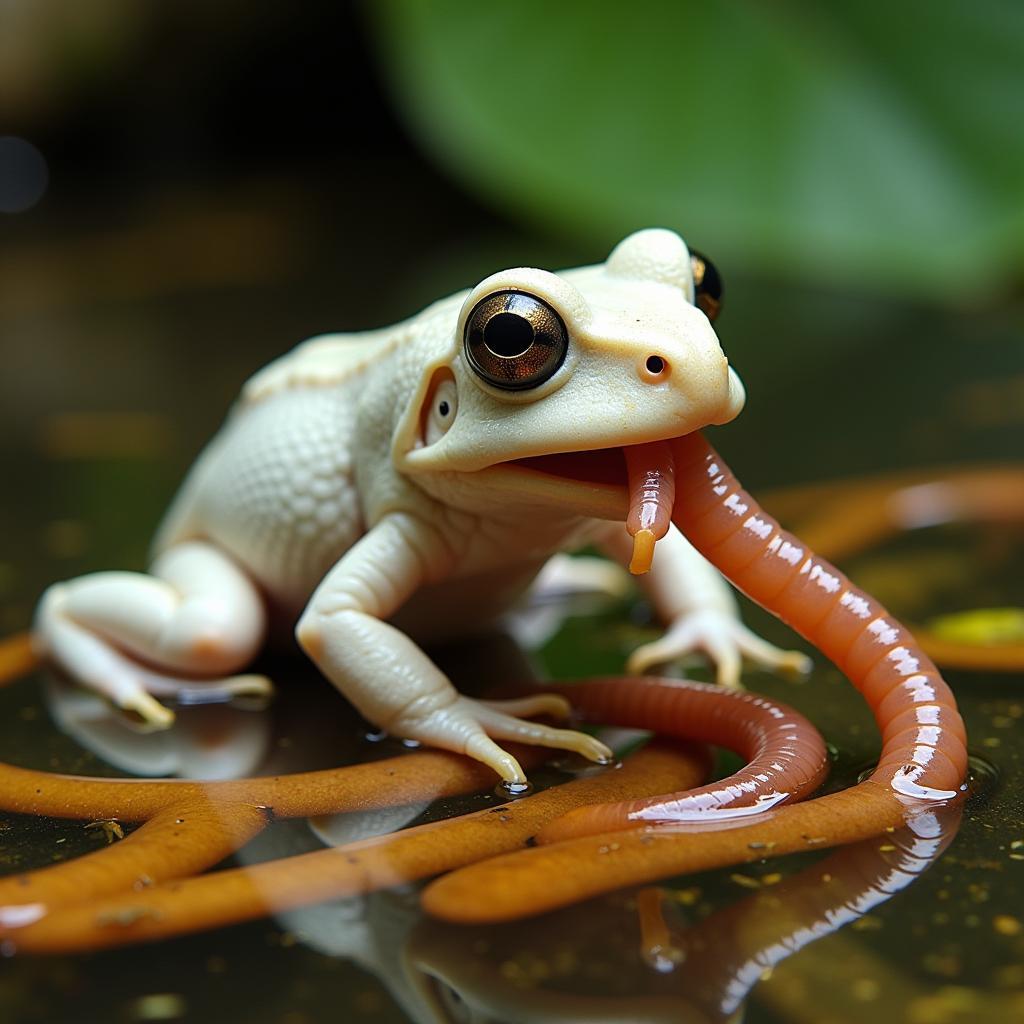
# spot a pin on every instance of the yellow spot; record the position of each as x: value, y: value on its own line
x: 687, y: 897
x: 1004, y: 924
x: 161, y: 1006
x: 982, y: 627
x: 866, y: 924
x: 746, y: 881
x: 643, y: 552
x: 866, y: 989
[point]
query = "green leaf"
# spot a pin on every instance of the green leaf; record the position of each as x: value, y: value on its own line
x: 855, y: 142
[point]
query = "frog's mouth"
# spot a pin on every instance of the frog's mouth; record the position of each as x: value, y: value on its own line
x: 602, y: 467
x: 635, y: 483
x: 588, y: 483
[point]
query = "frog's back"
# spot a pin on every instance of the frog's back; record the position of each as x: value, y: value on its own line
x: 275, y: 488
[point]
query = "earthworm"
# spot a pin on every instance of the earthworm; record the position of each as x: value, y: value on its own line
x: 842, y: 518
x: 650, y: 472
x: 915, y: 710
x: 191, y: 904
x: 193, y: 825
x: 785, y: 753
x: 924, y: 752
x: 924, y: 756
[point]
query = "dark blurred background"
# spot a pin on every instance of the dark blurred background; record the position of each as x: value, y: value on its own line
x: 188, y: 189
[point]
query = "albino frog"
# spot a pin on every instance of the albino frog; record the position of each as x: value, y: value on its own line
x: 391, y: 486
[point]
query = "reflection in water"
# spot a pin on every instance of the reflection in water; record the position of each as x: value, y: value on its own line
x: 214, y: 742
x: 720, y: 959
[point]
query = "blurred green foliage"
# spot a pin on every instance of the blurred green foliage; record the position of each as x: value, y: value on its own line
x: 869, y: 144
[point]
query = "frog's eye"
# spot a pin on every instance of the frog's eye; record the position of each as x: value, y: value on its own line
x: 444, y: 403
x: 515, y: 341
x: 707, y: 285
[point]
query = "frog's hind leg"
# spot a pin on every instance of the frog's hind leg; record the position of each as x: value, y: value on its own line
x: 180, y: 631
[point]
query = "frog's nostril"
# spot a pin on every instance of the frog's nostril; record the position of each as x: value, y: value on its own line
x: 655, y: 369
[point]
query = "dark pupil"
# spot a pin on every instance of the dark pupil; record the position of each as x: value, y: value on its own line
x: 443, y: 408
x: 508, y: 335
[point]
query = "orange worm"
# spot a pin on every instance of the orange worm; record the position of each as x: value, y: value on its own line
x: 842, y: 518
x: 178, y: 840
x: 393, y: 782
x: 193, y: 825
x: 545, y: 878
x: 651, y: 477
x: 924, y: 754
x: 923, y: 751
x: 786, y: 755
x: 241, y: 894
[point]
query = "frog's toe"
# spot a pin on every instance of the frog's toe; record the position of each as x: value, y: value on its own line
x: 659, y: 652
x: 761, y: 652
x: 539, y: 704
x: 724, y: 639
x: 506, y: 727
x: 482, y: 748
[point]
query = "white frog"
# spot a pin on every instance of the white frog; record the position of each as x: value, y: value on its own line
x: 374, y: 490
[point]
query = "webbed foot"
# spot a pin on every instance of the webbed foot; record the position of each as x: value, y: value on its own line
x: 726, y: 641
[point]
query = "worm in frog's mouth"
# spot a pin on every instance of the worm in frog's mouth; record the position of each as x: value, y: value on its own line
x: 647, y: 473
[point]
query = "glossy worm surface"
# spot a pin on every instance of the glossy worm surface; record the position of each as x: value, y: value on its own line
x: 785, y: 753
x: 843, y: 518
x: 924, y: 754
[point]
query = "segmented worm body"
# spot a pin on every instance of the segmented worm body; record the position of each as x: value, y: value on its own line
x: 786, y: 755
x: 924, y: 754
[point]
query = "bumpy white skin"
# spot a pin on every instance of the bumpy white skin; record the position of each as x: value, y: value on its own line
x: 362, y: 487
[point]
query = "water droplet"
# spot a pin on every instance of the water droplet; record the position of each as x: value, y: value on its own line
x: 982, y: 777
x: 513, y: 790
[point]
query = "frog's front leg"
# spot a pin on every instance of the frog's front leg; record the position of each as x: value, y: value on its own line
x: 130, y: 635
x: 391, y: 682
x: 692, y: 598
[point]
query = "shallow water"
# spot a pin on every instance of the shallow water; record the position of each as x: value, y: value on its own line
x: 95, y: 437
